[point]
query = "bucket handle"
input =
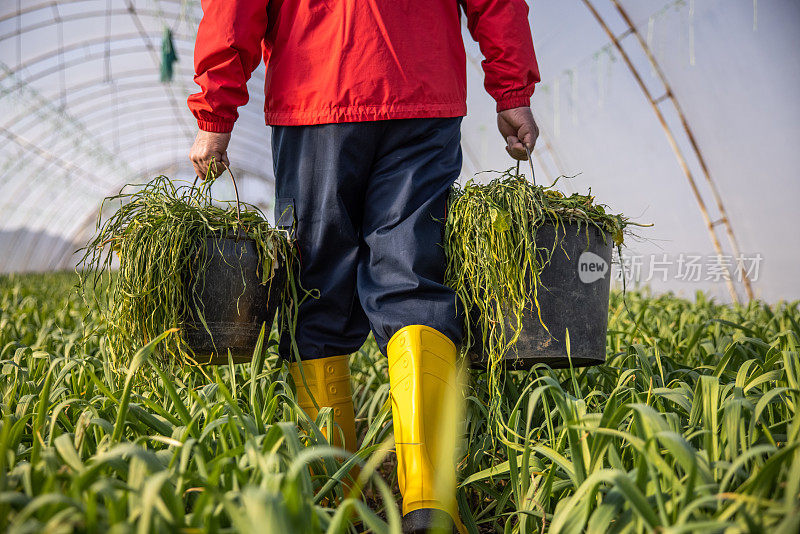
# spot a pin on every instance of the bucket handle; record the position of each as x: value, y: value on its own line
x: 235, y: 190
x: 530, y: 160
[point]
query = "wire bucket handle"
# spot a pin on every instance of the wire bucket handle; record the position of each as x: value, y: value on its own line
x: 236, y: 192
x: 530, y: 160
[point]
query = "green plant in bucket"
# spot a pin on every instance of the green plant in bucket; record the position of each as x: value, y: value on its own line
x: 495, y: 259
x: 159, y: 234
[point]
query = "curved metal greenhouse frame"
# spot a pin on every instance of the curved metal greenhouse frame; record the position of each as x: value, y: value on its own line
x: 84, y: 113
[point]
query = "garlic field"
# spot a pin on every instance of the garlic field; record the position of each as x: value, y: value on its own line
x: 691, y: 426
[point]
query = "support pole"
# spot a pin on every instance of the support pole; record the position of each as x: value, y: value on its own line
x: 670, y: 95
x: 672, y: 141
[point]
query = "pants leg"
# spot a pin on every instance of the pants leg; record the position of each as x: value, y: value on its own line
x: 402, y: 266
x: 367, y: 202
x: 321, y: 176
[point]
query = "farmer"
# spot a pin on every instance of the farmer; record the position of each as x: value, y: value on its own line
x: 365, y: 99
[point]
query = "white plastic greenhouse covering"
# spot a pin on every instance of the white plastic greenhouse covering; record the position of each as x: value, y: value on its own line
x: 624, y: 85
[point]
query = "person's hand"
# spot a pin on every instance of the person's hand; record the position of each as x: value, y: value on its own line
x: 208, y: 148
x: 518, y: 128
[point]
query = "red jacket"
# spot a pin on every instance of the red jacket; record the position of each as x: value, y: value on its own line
x: 357, y: 60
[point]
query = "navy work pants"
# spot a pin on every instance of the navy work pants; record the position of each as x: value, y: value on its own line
x: 367, y: 203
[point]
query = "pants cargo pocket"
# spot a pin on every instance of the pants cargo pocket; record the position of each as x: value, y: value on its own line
x: 285, y: 218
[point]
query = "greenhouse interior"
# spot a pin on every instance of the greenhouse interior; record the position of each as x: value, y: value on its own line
x: 635, y: 369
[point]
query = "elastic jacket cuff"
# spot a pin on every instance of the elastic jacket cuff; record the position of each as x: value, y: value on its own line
x: 219, y: 126
x: 513, y: 102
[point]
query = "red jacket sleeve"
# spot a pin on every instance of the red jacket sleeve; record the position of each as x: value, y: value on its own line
x: 502, y: 31
x: 227, y: 51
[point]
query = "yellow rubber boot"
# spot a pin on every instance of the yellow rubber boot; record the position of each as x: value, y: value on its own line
x: 425, y: 411
x: 328, y: 381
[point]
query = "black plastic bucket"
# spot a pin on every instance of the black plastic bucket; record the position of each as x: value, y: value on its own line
x: 573, y: 296
x: 234, y: 302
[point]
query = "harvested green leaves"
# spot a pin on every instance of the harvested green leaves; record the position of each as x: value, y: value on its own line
x: 159, y: 234
x: 495, y: 261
